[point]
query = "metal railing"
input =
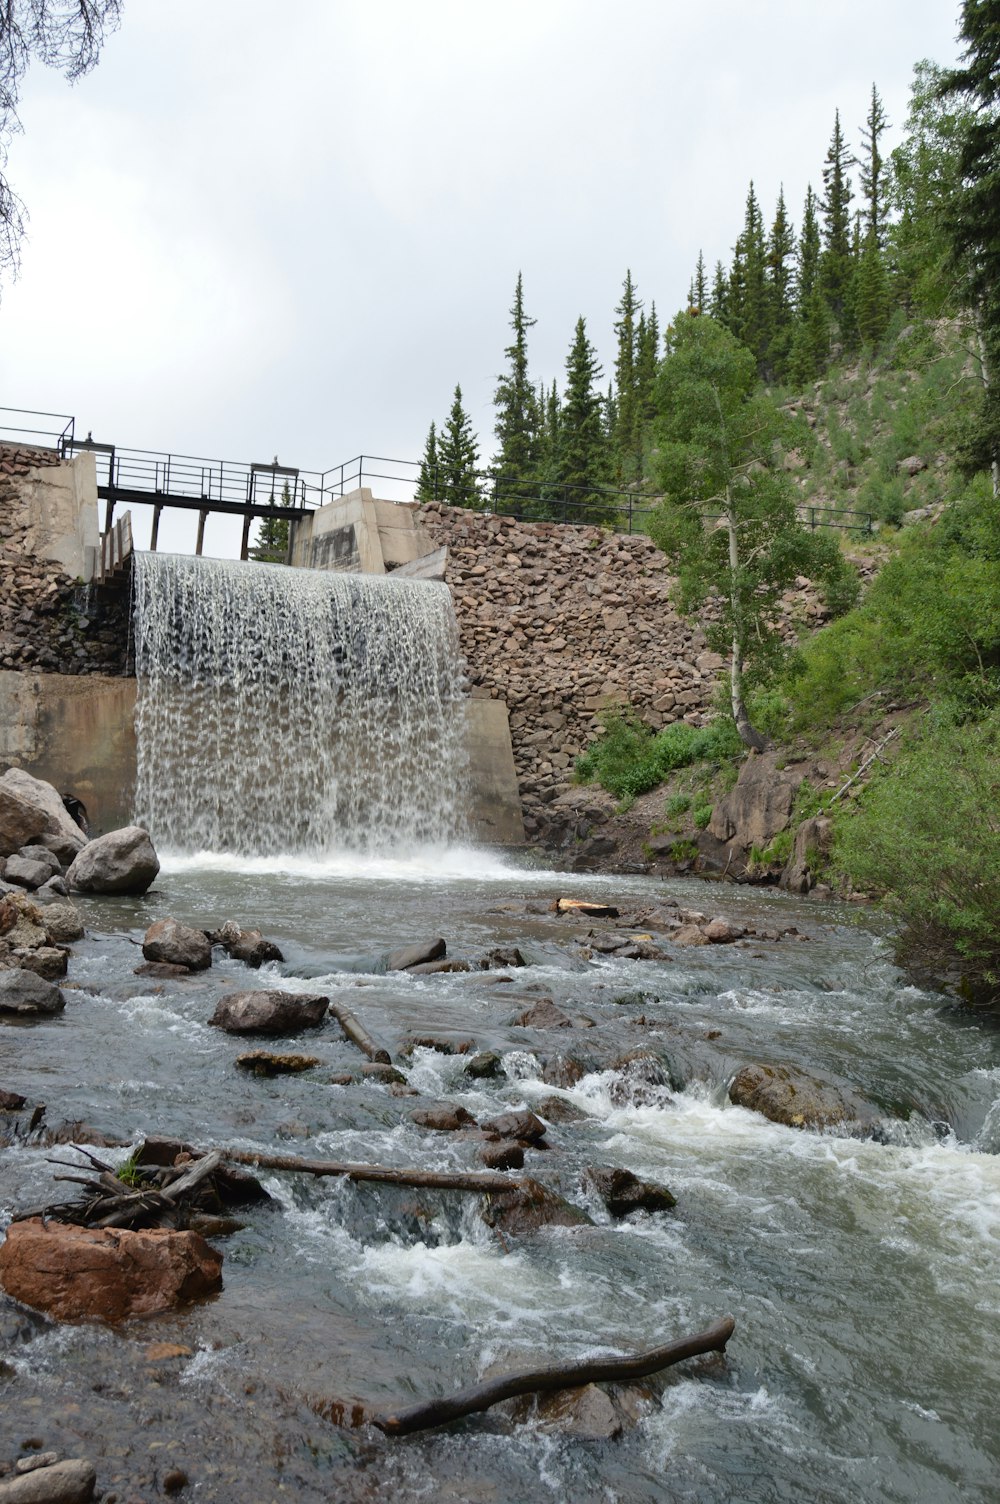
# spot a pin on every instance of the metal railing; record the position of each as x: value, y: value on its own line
x: 29, y: 434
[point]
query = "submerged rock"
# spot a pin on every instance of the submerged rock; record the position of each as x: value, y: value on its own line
x: 790, y: 1096
x: 527, y: 1208
x: 266, y: 1063
x: 502, y: 1156
x: 108, y: 1274
x: 415, y: 955
x: 268, y: 1012
x: 622, y: 1192
x: 123, y: 861
x: 543, y: 1015
x: 484, y: 1066
x: 248, y: 946
x: 443, y: 1119
x: 176, y: 944
x: 522, y: 1127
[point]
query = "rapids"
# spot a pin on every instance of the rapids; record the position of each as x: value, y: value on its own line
x: 862, y: 1273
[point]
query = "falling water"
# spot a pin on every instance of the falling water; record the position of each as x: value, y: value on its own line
x: 293, y: 710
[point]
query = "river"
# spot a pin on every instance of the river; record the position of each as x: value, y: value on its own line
x: 862, y: 1273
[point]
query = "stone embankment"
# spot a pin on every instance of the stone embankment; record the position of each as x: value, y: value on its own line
x: 46, y: 621
x: 560, y: 622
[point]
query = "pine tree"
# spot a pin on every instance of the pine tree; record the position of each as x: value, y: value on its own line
x: 836, y: 262
x: 780, y: 293
x: 926, y: 175
x: 874, y: 187
x: 626, y: 432
x: 748, y: 303
x: 517, y: 424
x: 427, y: 476
x: 811, y: 336
x: 718, y: 297
x: 583, y: 452
x: 698, y: 291
x: 871, y: 291
x: 271, y: 546
x: 458, y: 458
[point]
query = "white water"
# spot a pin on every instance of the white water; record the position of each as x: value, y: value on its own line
x: 295, y: 711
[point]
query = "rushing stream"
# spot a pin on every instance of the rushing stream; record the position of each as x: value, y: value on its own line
x: 862, y: 1273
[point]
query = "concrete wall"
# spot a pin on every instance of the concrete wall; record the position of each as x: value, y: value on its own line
x: 78, y: 734
x: 60, y: 506
x: 494, y: 803
x: 359, y: 534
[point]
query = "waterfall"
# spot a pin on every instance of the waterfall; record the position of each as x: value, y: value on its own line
x: 294, y: 710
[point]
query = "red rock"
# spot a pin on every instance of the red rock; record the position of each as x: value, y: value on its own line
x: 175, y: 944
x: 105, y: 1274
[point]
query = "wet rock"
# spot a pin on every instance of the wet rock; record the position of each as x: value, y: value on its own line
x: 558, y: 1110
x: 584, y: 910
x: 527, y: 1208
x: 48, y: 961
x: 502, y: 958
x: 563, y: 1070
x: 26, y: 872
x: 523, y: 1127
x: 268, y: 1012
x: 30, y: 808
x: 586, y: 1412
x: 55, y: 888
x: 174, y: 1480
x: 413, y: 955
x: 484, y: 1066
x: 11, y: 1101
x: 443, y: 1119
x: 123, y: 861
x: 162, y: 969
x: 386, y: 1075
x: 543, y: 1015
x: 502, y: 1156
x: 21, y: 922
x: 642, y: 1081
x: 266, y: 1063
x: 40, y: 1459
x: 62, y: 923
x: 234, y: 1186
x: 24, y: 994
x: 787, y: 1095
x: 688, y: 934
x: 109, y: 1274
x: 343, y: 1078
x: 69, y: 1482
x: 622, y: 1192
x: 438, y: 1042
x: 721, y: 931
x: 248, y: 946
x: 429, y: 968
x: 177, y: 944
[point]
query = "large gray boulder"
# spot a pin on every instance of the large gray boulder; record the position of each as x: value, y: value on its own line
x: 26, y: 872
x: 268, y: 1011
x: 32, y: 810
x: 25, y: 994
x: 123, y: 861
x: 760, y: 805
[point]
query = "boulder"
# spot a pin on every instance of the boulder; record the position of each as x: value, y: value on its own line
x: 31, y: 810
x: 721, y: 931
x: 266, y: 1063
x: 790, y: 1096
x: 528, y: 1207
x: 522, y: 1127
x: 44, y: 855
x: 68, y: 1482
x: 622, y: 1192
x: 502, y: 1156
x: 414, y: 955
x: 123, y: 861
x: 563, y: 1070
x: 53, y: 889
x: 484, y: 1066
x: 48, y: 961
x: 26, y: 872
x: 108, y: 1274
x: 268, y: 1012
x: 62, y: 923
x: 760, y: 805
x: 177, y: 945
x: 812, y: 840
x: 587, y: 1412
x: 641, y: 1081
x: 21, y: 922
x: 26, y: 995
x: 11, y: 1101
x: 248, y: 946
x: 443, y: 1119
x: 911, y: 465
x: 543, y: 1015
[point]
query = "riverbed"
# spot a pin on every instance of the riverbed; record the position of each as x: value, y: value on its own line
x: 862, y: 1272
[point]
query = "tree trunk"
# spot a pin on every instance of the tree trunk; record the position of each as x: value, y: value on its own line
x: 749, y: 735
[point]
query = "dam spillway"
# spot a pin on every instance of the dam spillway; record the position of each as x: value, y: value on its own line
x: 291, y: 710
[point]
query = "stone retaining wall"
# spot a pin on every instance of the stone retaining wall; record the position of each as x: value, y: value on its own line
x: 48, y: 620
x: 561, y: 621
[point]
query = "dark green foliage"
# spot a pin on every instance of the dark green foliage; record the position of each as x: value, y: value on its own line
x: 518, y: 420
x: 583, y: 467
x: 629, y: 759
x: 780, y: 295
x: 698, y: 291
x: 271, y: 546
x: 625, y: 410
x: 836, y: 266
x: 927, y: 831
x: 748, y: 302
x: 925, y: 177
x: 647, y: 361
x: 458, y: 458
x: 874, y: 170
x: 427, y: 476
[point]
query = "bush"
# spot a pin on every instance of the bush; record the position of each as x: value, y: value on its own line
x: 629, y: 759
x: 927, y: 833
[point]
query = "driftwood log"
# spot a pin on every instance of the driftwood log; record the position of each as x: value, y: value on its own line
x: 156, y: 1197
x: 431, y: 1180
x: 359, y: 1035
x: 564, y: 1376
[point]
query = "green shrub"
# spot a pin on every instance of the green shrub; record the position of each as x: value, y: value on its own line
x: 926, y: 832
x: 677, y: 804
x: 701, y: 816
x: 629, y: 759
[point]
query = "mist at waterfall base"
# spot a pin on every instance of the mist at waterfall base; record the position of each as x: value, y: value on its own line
x: 862, y: 1273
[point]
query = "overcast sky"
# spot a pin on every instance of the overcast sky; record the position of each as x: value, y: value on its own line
x: 260, y: 229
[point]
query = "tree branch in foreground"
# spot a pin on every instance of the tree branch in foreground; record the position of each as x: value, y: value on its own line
x: 566, y: 1376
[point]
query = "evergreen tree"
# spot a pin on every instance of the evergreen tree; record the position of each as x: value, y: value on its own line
x: 836, y: 262
x: 748, y: 302
x: 271, y: 546
x: 458, y: 458
x: 874, y: 170
x: 872, y: 305
x: 427, y: 476
x: 780, y: 293
x: 811, y: 337
x: 974, y: 214
x: 517, y: 417
x: 583, y: 451
x: 698, y: 291
x: 647, y: 359
x: 626, y: 419
x: 549, y: 457
x: 925, y: 177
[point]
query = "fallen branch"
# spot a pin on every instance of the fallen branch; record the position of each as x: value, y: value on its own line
x: 434, y: 1180
x: 864, y: 766
x: 565, y: 1376
x: 359, y: 1035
